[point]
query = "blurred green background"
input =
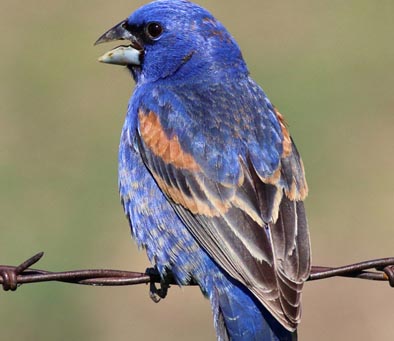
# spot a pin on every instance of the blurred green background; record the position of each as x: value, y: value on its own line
x: 327, y: 65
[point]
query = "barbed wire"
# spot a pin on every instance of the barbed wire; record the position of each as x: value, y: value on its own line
x: 13, y: 276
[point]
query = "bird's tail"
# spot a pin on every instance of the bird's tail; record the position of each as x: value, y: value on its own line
x: 239, y: 316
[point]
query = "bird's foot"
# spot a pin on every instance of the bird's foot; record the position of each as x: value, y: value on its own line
x: 156, y: 294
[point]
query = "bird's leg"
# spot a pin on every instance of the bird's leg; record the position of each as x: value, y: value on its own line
x: 156, y: 294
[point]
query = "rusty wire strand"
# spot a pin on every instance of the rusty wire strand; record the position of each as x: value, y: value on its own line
x: 13, y: 276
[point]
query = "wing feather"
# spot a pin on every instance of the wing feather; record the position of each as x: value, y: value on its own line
x: 254, y: 228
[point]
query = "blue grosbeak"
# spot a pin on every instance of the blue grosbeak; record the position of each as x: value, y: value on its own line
x: 209, y: 177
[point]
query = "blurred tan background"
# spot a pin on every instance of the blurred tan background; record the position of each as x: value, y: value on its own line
x: 327, y: 65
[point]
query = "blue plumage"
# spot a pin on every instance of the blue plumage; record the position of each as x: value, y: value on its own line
x: 171, y: 247
x: 209, y: 177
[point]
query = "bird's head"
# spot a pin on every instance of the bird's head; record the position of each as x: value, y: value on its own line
x: 173, y: 38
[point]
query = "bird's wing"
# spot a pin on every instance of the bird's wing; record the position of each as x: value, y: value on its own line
x: 250, y: 217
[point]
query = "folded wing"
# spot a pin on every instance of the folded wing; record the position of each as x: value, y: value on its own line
x: 255, y: 227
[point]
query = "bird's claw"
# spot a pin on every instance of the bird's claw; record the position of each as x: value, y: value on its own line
x: 156, y: 294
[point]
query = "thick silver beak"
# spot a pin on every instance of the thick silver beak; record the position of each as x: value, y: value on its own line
x: 121, y: 55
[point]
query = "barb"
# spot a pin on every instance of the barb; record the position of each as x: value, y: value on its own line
x: 13, y: 276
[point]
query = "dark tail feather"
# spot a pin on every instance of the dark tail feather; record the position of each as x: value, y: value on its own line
x: 238, y: 316
x: 294, y: 336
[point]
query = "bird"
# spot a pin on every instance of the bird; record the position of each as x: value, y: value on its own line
x: 210, y: 179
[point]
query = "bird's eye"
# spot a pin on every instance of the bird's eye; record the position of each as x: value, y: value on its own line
x: 153, y: 30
